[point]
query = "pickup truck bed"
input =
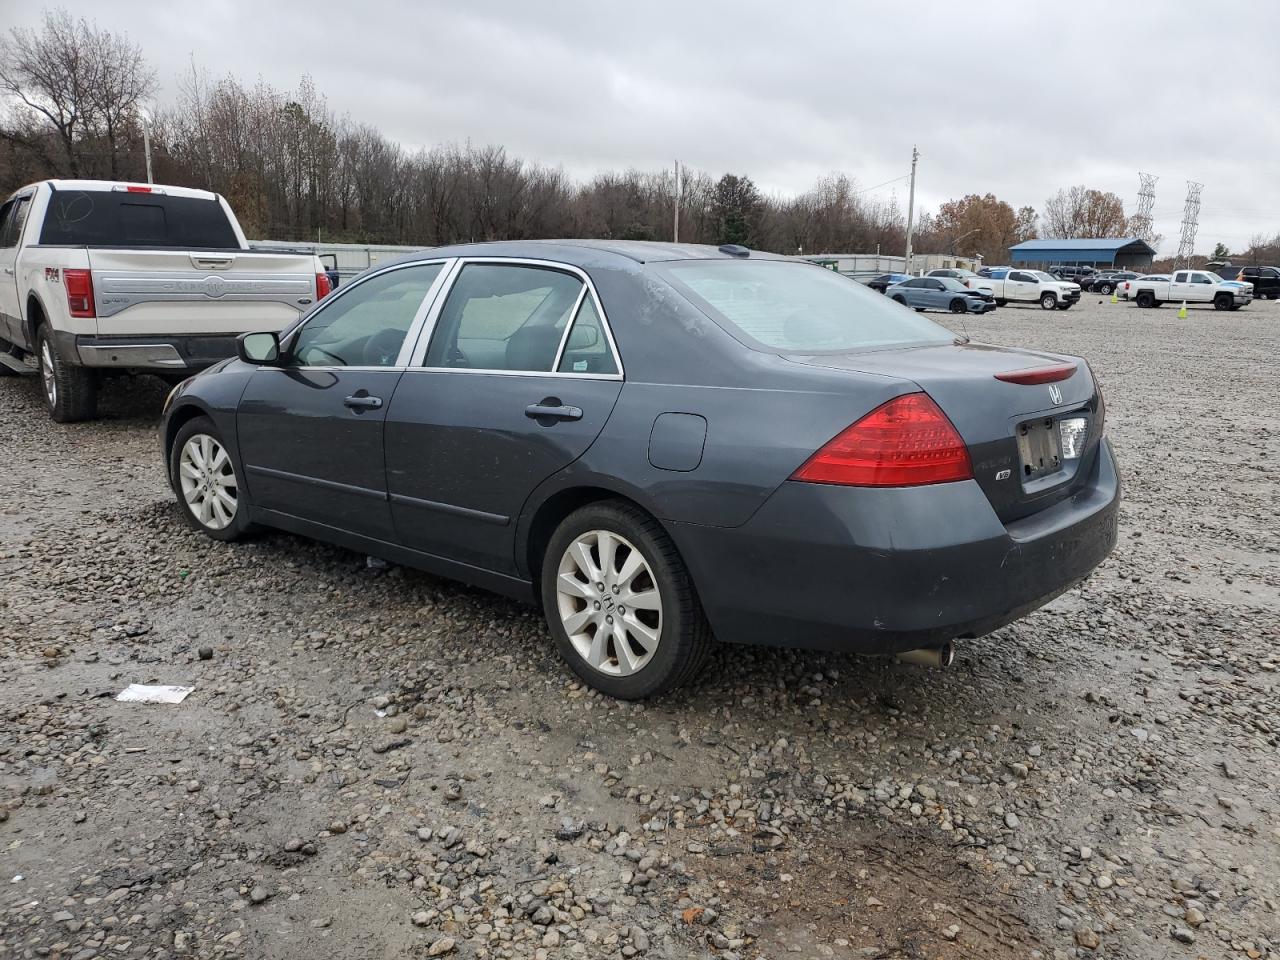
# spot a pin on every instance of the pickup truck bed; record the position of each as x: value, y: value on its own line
x: 104, y: 277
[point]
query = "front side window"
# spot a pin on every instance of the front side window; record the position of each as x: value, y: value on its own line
x: 367, y: 325
x: 782, y: 306
x: 505, y: 317
x: 1200, y: 278
x: 1022, y: 278
x: 7, y: 237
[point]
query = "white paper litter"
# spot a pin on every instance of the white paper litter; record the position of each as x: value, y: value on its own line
x: 153, y: 693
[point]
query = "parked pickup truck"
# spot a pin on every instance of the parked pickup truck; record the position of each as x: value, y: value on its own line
x: 99, y: 277
x: 1010, y: 285
x: 1191, y: 286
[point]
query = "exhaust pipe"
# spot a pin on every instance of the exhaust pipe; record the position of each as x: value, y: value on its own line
x: 929, y: 656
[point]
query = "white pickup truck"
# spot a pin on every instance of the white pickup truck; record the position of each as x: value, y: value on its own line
x: 1011, y: 285
x: 99, y: 277
x: 1189, y: 286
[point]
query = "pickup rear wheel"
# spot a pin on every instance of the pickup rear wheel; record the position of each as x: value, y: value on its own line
x: 1048, y: 301
x: 70, y: 392
x: 1146, y: 299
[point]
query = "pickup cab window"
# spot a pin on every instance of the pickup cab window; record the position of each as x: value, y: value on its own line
x: 1180, y: 278
x: 88, y: 218
x: 12, y: 216
x: 1022, y: 277
x: 1202, y: 278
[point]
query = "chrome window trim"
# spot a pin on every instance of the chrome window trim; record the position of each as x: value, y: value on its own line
x: 419, y: 356
x: 415, y: 326
x: 564, y: 337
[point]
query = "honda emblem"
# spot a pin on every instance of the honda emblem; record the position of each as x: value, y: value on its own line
x: 1054, y: 393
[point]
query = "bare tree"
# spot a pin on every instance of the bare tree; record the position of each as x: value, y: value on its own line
x: 79, y: 83
x: 1081, y: 212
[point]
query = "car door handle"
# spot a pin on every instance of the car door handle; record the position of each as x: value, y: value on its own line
x: 365, y: 402
x: 551, y: 409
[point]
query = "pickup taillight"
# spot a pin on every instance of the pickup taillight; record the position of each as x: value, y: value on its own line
x: 323, y: 286
x: 79, y: 284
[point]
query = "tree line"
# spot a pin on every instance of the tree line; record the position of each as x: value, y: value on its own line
x: 74, y: 98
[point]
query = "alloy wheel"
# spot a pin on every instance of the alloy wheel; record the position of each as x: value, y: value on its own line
x: 47, y: 374
x: 609, y: 603
x: 208, y: 481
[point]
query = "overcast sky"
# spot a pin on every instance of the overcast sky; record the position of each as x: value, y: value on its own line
x: 1017, y: 100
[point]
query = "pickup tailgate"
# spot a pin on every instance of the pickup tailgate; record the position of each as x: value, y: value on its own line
x: 184, y: 292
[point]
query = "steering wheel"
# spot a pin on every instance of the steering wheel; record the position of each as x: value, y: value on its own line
x: 382, y: 348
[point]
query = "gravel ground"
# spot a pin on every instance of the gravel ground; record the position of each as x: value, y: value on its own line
x: 378, y: 764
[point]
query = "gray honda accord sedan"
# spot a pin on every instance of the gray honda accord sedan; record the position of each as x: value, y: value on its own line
x: 665, y: 446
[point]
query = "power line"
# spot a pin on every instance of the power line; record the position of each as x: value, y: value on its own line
x: 905, y: 176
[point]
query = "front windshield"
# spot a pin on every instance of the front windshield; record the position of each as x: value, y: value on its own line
x: 781, y: 306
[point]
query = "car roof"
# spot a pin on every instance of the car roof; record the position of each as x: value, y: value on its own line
x: 587, y: 253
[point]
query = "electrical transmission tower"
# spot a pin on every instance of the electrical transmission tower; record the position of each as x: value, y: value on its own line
x: 1141, y: 223
x: 1190, y: 220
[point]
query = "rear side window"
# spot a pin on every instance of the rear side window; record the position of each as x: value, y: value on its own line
x: 779, y: 306
x: 504, y: 317
x: 99, y: 218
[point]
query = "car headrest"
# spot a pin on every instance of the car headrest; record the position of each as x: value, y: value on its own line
x: 533, y: 348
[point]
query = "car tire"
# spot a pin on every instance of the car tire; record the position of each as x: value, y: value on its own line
x: 584, y: 614
x: 1048, y: 301
x: 1146, y: 300
x: 900, y: 299
x: 205, y: 476
x: 1106, y: 289
x: 959, y: 306
x: 1223, y: 301
x: 1001, y: 303
x: 70, y: 391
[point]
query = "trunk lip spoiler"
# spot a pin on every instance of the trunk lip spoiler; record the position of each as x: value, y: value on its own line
x: 1032, y: 376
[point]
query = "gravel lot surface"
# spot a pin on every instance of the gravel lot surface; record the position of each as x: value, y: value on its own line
x: 379, y: 764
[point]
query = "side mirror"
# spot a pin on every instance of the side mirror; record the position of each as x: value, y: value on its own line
x: 583, y: 337
x: 258, y: 348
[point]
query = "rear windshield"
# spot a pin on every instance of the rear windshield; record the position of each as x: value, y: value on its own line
x: 784, y: 307
x: 102, y: 218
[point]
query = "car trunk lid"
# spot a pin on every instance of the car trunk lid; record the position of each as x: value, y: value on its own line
x: 1014, y: 428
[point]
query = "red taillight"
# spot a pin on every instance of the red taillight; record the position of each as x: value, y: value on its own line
x: 323, y: 286
x: 1059, y: 371
x: 79, y: 284
x: 134, y: 189
x: 906, y: 442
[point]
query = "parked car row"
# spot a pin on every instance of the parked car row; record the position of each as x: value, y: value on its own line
x: 964, y: 291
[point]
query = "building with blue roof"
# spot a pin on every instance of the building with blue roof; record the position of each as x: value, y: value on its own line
x: 1119, y: 252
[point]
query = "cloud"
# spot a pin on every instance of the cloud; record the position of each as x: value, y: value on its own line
x: 1016, y: 99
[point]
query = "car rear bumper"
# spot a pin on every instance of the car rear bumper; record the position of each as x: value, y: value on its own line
x: 155, y: 353
x: 885, y: 570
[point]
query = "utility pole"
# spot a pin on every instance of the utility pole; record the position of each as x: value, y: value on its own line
x: 675, y: 226
x: 911, y: 206
x: 146, y: 145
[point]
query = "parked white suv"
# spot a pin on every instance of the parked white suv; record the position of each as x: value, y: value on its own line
x: 98, y: 276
